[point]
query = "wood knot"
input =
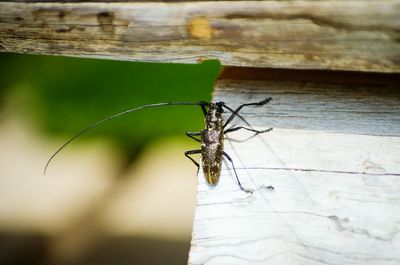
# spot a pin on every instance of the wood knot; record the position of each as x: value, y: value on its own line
x: 200, y: 28
x: 106, y: 21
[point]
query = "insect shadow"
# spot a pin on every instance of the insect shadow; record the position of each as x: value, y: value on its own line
x: 211, y: 138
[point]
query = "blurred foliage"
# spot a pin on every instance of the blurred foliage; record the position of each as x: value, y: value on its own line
x: 64, y: 95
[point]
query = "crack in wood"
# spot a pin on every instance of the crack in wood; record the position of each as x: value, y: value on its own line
x: 331, y: 22
x: 317, y: 170
x: 342, y: 225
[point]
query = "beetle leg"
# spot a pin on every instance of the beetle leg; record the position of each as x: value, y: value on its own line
x: 203, y: 105
x: 249, y: 129
x: 235, y: 112
x: 191, y: 152
x: 237, y: 178
x: 203, y: 108
x: 193, y: 134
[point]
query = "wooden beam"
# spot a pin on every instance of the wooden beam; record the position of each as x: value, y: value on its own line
x: 339, y: 35
x: 333, y: 160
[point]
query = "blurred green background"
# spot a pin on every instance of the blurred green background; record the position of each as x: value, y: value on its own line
x: 63, y: 95
x: 129, y: 201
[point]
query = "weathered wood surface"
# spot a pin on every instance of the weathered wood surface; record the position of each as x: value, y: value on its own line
x: 346, y: 35
x: 334, y: 161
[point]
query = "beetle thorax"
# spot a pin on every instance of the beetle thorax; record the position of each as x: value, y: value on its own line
x: 213, y: 119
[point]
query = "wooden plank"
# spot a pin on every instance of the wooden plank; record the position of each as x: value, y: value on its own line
x: 340, y: 35
x: 333, y: 160
x: 127, y: 1
x: 355, y: 107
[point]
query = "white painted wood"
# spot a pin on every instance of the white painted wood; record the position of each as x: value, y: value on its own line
x: 337, y: 193
x: 336, y: 201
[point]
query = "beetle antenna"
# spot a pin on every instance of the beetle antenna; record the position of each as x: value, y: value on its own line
x: 200, y: 103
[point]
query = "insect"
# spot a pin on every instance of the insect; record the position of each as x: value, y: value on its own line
x: 211, y: 138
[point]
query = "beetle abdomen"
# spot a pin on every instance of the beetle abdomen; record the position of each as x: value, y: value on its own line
x: 211, y: 154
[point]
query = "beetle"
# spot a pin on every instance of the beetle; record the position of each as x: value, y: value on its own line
x: 211, y: 138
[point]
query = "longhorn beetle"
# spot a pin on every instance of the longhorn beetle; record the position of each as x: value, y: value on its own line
x: 211, y: 138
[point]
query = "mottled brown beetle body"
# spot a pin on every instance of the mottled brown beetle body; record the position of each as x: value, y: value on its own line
x: 212, y: 143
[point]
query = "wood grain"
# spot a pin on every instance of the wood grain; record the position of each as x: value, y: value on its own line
x: 333, y: 160
x: 339, y: 35
x: 339, y: 108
